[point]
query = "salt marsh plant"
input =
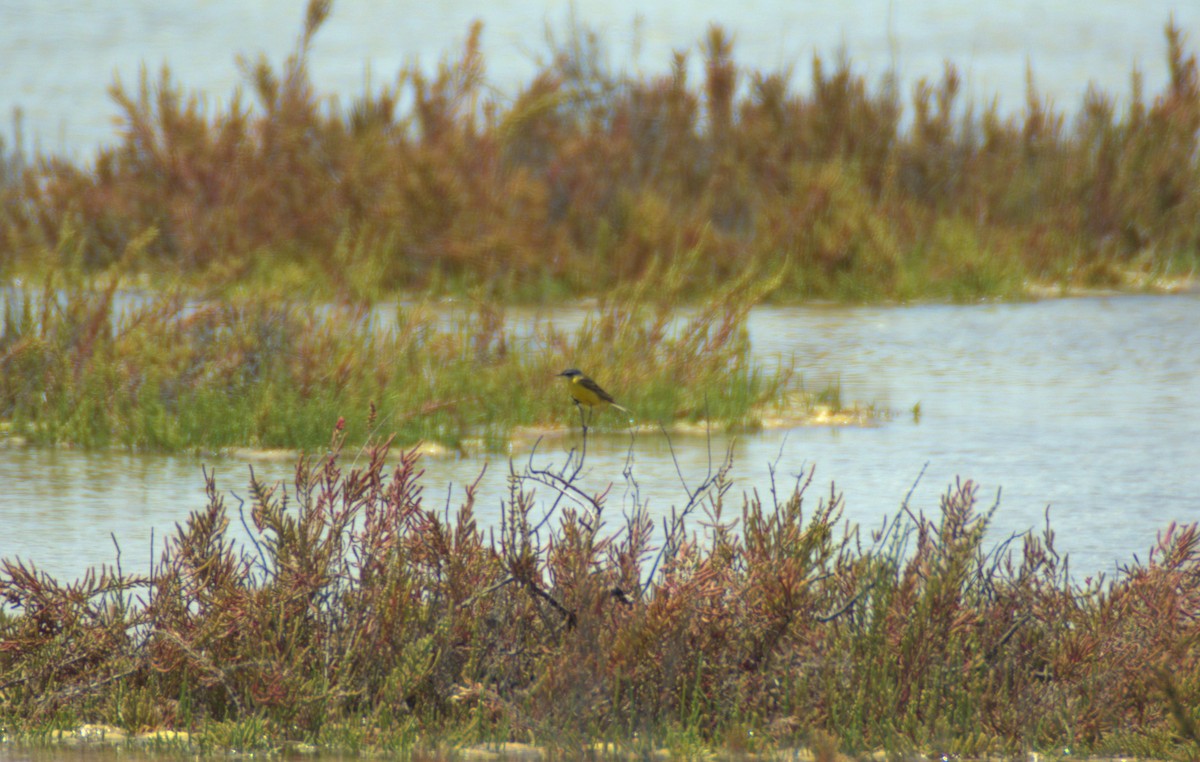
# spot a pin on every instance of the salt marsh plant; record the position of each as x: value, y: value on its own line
x: 104, y: 368
x: 589, y: 178
x: 356, y: 614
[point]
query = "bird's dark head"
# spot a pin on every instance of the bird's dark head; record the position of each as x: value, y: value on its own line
x: 571, y: 372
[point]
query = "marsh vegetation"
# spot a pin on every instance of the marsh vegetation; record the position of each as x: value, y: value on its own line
x: 589, y: 180
x: 359, y: 617
x: 96, y: 368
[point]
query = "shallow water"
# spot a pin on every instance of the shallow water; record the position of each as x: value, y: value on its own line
x: 80, y: 753
x: 61, y: 55
x: 1086, y: 406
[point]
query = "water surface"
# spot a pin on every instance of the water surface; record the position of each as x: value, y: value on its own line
x: 1085, y: 406
x: 61, y: 55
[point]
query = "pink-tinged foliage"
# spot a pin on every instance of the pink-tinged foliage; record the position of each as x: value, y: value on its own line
x: 353, y: 597
x: 589, y: 179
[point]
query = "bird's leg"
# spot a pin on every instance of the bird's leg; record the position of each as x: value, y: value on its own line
x: 582, y: 420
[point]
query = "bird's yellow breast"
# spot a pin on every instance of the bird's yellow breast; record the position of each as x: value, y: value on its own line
x: 582, y: 394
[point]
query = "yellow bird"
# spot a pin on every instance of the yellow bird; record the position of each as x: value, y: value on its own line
x: 587, y: 392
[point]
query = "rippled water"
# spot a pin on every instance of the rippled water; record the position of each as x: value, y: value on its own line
x: 61, y: 55
x: 1086, y: 406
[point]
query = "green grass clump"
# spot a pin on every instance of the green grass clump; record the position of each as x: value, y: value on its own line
x: 95, y: 367
x: 359, y: 618
x: 587, y: 179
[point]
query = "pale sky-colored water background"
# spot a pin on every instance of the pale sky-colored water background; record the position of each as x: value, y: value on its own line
x: 1086, y: 405
x: 60, y: 55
